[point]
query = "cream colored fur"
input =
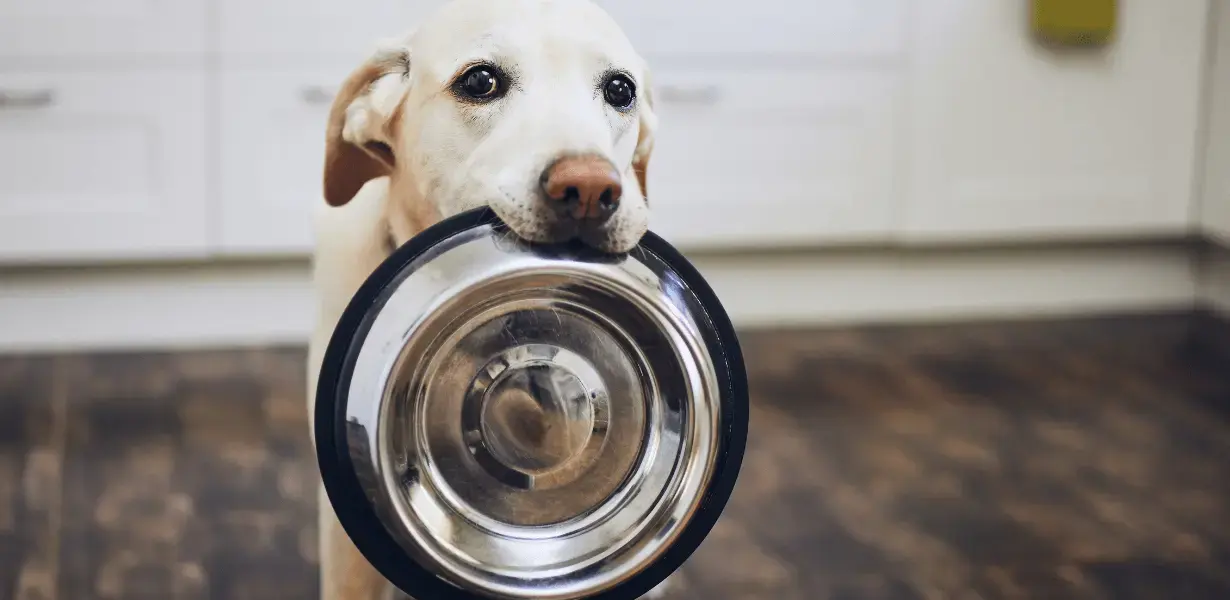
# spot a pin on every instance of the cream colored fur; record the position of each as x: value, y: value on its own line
x: 403, y: 153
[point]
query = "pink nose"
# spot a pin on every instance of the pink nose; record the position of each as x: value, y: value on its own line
x: 582, y: 188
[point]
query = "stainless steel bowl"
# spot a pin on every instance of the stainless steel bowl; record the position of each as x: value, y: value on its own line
x: 496, y: 419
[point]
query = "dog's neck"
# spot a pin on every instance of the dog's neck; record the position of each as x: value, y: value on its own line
x: 390, y: 242
x: 407, y: 212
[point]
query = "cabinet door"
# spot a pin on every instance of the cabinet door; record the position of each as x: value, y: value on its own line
x: 102, y: 165
x: 771, y: 158
x: 815, y: 28
x: 272, y: 156
x: 1215, y: 205
x: 260, y: 29
x: 88, y: 29
x: 1014, y: 141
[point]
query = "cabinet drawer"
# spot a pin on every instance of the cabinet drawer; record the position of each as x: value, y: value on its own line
x: 773, y: 158
x: 99, y: 28
x: 817, y: 28
x: 98, y: 166
x: 272, y: 156
x: 316, y: 27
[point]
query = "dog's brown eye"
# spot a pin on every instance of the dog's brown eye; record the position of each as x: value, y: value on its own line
x: 619, y: 92
x: 480, y: 83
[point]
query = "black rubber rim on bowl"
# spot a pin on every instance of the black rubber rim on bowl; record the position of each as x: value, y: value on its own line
x: 358, y: 518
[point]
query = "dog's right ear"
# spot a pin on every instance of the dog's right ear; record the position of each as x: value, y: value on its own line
x: 363, y: 122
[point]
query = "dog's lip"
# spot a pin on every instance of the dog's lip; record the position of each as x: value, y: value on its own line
x: 569, y: 240
x: 573, y: 249
x: 600, y: 238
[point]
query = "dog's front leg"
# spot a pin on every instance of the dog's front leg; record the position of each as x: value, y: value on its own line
x: 344, y: 573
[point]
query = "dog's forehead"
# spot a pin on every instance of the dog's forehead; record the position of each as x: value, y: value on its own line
x: 464, y: 29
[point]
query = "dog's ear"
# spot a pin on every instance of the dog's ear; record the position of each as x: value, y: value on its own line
x: 363, y: 122
x: 648, y: 125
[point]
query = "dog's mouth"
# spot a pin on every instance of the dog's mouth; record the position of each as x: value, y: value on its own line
x: 565, y: 232
x: 548, y: 230
x: 565, y: 241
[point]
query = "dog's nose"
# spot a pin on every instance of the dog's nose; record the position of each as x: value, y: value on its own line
x: 583, y: 188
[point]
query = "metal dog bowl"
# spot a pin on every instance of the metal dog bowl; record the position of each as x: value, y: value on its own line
x: 502, y: 420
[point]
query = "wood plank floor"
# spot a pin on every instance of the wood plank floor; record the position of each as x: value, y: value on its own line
x: 1076, y: 459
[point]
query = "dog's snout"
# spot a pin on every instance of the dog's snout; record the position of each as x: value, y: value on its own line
x: 583, y: 188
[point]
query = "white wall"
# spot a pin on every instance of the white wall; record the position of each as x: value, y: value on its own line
x: 1214, y: 205
x: 1214, y: 202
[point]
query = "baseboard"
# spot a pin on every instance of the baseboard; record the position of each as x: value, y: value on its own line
x: 179, y: 307
x: 270, y: 303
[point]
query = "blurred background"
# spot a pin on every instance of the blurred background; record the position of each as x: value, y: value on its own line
x: 983, y: 286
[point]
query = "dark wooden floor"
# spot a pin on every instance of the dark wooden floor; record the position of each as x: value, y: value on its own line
x: 1050, y: 460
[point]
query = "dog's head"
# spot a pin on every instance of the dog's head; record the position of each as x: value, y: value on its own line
x: 540, y: 109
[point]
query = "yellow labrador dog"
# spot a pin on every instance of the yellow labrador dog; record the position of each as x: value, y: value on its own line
x: 540, y: 109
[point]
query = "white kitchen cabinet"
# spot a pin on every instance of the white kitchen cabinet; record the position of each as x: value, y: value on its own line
x: 735, y: 162
x: 92, y: 29
x: 272, y: 133
x: 783, y: 122
x: 103, y: 165
x: 1009, y: 140
x: 775, y: 28
x: 1215, y: 204
x: 261, y: 30
x: 773, y: 157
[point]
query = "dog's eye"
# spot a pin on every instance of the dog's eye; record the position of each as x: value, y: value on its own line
x: 480, y: 83
x: 619, y: 92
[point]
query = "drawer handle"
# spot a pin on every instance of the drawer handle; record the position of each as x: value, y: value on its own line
x: 317, y: 95
x: 697, y: 94
x: 26, y: 99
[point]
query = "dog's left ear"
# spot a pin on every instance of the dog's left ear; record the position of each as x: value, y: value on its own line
x: 363, y: 122
x: 644, y: 140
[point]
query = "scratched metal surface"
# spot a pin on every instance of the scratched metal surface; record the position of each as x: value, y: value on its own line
x: 1075, y: 459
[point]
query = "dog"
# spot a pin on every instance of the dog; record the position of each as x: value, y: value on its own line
x: 539, y: 109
